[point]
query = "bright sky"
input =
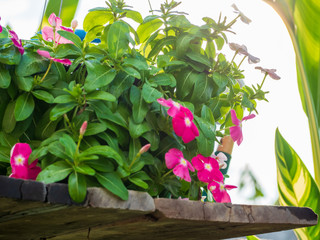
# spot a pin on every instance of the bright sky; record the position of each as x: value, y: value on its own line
x: 266, y: 37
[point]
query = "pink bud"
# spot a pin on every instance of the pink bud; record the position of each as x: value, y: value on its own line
x: 145, y: 148
x: 74, y: 24
x: 83, y: 128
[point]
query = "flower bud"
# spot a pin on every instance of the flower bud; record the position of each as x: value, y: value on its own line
x: 145, y: 148
x: 74, y: 24
x: 83, y: 128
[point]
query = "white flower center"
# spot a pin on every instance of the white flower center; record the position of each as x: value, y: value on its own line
x: 187, y: 122
x: 212, y: 188
x: 221, y: 187
x: 183, y: 162
x: 19, y: 160
x: 208, y: 166
x: 177, y: 105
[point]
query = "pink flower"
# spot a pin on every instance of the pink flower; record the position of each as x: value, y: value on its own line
x: 174, y: 159
x: 47, y: 32
x: 19, y: 162
x: 270, y: 72
x: 46, y: 54
x: 208, y: 168
x: 16, y: 41
x: 236, y: 131
x: 221, y: 158
x: 0, y: 27
x: 218, y: 190
x: 184, y: 126
x: 174, y: 107
x: 83, y: 127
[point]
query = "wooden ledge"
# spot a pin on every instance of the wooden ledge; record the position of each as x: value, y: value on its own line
x: 33, y: 210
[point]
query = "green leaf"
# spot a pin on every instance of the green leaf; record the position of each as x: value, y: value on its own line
x: 295, y: 184
x: 85, y: 169
x: 140, y: 107
x: 220, y: 42
x: 147, y: 28
x: 185, y: 82
x: 24, y: 83
x: 134, y: 15
x: 69, y: 145
x: 132, y: 72
x: 183, y: 43
x: 134, y: 148
x: 77, y: 186
x: 72, y: 37
x: 5, y: 78
x: 96, y: 18
x: 208, y: 129
x: 67, y: 50
x: 164, y: 79
x: 197, y: 57
x: 121, y: 83
x: 136, y: 130
x: 9, y: 121
x: 136, y: 63
x: 179, y: 21
x: 138, y: 182
x: 10, y: 55
x: 99, y: 75
x: 95, y: 128
x: 61, y: 109
x: 205, y: 145
x: 221, y: 81
x: 57, y: 149
x: 55, y: 172
x: 30, y: 64
x: 105, y: 151
x: 160, y: 44
x: 45, y: 127
x: 93, y: 33
x: 150, y: 94
x: 118, y: 39
x: 153, y: 138
x: 101, y: 95
x: 67, y: 98
x: 43, y: 95
x: 211, y: 50
x: 24, y: 107
x: 302, y: 19
x: 113, y: 183
x: 252, y: 237
x: 203, y: 88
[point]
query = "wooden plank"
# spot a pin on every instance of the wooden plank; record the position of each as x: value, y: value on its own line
x: 40, y: 211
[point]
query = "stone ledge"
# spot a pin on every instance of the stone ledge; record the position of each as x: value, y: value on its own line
x: 33, y: 210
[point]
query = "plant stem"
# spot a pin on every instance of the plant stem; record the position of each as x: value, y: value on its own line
x: 265, y: 76
x: 46, y: 73
x: 166, y: 174
x: 242, y: 61
x: 133, y: 161
x: 150, y: 7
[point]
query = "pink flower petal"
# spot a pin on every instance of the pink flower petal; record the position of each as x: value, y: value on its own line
x: 236, y: 134
x: 52, y: 19
x: 47, y: 33
x: 33, y: 172
x: 234, y: 118
x: 182, y: 172
x: 63, y: 61
x: 178, y: 125
x: 20, y: 155
x: 66, y: 29
x: 230, y: 187
x: 248, y: 117
x: 173, y: 157
x: 197, y: 163
x: 174, y: 107
x: 43, y: 53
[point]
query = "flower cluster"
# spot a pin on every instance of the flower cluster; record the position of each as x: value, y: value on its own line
x: 208, y: 168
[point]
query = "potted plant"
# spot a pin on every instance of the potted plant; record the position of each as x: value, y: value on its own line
x: 126, y: 108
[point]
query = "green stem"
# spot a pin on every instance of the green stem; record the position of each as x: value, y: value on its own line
x: 134, y: 160
x: 44, y: 76
x: 166, y: 174
x: 242, y: 61
x: 220, y: 130
x: 150, y: 7
x: 265, y: 76
x: 234, y: 56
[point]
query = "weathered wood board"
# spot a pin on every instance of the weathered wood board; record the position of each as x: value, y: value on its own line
x: 33, y: 210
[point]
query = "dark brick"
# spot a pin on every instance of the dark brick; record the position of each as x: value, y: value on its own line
x: 58, y: 193
x: 10, y: 187
x: 34, y: 191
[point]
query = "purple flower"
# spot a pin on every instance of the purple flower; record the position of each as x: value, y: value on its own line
x: 242, y: 49
x: 270, y: 72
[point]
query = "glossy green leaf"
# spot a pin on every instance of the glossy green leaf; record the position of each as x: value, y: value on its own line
x: 164, y: 79
x: 95, y: 128
x: 72, y: 37
x: 10, y: 55
x: 24, y: 83
x: 24, y: 107
x: 96, y: 18
x: 77, y: 187
x: 99, y: 75
x: 302, y: 19
x: 138, y: 182
x: 66, y: 98
x: 55, y: 172
x: 140, y: 107
x: 69, y: 145
x: 136, y: 130
x: 132, y: 72
x: 105, y: 151
x: 121, y: 82
x: 113, y: 183
x: 295, y: 184
x: 67, y: 50
x: 101, y: 95
x: 136, y: 63
x: 85, y: 169
x: 150, y: 94
x: 185, y: 82
x: 134, y: 15
x: 5, y: 77
x: 31, y: 63
x: 203, y: 88
x: 147, y: 28
x: 160, y: 44
x: 252, y: 238
x: 199, y: 58
x: 57, y: 149
x: 118, y: 39
x: 45, y: 127
x: 43, y: 95
x: 61, y: 109
x: 9, y: 121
